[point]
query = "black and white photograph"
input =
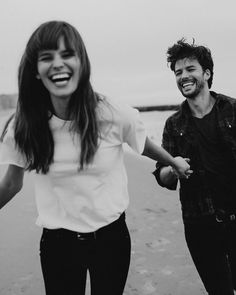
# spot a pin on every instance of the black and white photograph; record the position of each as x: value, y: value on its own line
x: 117, y: 147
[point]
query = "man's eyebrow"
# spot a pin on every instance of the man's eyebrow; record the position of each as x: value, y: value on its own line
x: 178, y: 70
x: 187, y: 67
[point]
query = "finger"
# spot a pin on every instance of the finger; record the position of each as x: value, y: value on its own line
x: 187, y: 160
x: 189, y: 172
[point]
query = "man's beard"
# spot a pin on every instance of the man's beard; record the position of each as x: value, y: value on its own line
x: 199, y: 85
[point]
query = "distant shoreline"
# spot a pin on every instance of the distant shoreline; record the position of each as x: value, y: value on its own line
x: 8, y: 101
x: 165, y: 107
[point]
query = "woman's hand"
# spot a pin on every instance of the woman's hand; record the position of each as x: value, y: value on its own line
x: 181, y: 168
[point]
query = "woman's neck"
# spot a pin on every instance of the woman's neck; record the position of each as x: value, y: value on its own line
x: 60, y: 107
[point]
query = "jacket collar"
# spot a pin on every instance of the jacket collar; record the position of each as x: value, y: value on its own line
x: 220, y: 101
x: 224, y: 108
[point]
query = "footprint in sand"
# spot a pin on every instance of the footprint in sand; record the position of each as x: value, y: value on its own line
x: 149, y: 288
x: 158, y: 243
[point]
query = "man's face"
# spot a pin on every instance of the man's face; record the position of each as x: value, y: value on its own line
x: 190, y: 77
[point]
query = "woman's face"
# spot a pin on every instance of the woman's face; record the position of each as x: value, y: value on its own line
x: 59, y: 71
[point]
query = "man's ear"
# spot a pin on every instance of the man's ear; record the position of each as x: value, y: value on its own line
x: 207, y: 74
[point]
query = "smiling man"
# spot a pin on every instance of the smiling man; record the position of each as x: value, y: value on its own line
x: 204, y: 131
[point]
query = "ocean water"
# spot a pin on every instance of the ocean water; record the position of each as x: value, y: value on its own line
x: 154, y: 122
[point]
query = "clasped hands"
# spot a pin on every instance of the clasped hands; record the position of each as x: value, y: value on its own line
x: 181, y: 168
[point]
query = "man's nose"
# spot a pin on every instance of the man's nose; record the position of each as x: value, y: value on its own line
x: 184, y: 75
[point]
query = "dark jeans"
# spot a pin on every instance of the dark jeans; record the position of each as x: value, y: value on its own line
x: 213, y: 250
x: 66, y: 257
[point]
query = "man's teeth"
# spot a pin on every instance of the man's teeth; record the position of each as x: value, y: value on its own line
x: 187, y: 84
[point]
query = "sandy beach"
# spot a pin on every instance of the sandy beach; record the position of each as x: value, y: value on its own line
x: 160, y: 262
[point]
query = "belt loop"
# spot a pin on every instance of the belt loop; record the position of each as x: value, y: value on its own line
x: 218, y: 219
x: 232, y: 217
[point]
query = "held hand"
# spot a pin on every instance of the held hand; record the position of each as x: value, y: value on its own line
x: 181, y: 167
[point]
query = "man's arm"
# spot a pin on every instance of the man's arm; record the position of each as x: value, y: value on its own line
x: 11, y: 184
x: 165, y: 175
x: 168, y: 176
x: 157, y: 153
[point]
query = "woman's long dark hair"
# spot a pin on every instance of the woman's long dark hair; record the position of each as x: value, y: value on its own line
x: 32, y: 133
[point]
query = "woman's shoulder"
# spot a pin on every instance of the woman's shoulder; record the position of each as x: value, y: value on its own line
x: 8, y: 127
x: 111, y: 106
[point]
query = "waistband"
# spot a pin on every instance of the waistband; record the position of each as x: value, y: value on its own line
x: 62, y: 232
x: 218, y: 217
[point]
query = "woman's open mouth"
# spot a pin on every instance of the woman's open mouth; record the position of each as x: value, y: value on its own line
x: 60, y: 79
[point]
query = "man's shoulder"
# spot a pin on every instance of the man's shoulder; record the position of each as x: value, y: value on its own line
x: 178, y: 115
x: 225, y: 99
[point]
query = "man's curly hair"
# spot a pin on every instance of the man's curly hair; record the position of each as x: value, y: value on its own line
x: 182, y: 49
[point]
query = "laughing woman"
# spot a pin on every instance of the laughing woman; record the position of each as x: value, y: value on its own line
x: 71, y: 138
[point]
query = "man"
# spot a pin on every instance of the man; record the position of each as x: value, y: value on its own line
x: 204, y: 131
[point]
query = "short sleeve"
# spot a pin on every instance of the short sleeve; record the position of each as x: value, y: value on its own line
x: 134, y: 133
x: 9, y: 154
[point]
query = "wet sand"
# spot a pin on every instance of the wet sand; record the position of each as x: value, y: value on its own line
x: 160, y: 262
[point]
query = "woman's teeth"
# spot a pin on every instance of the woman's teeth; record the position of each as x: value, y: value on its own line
x: 64, y: 77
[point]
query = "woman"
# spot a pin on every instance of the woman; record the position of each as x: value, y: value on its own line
x: 72, y: 137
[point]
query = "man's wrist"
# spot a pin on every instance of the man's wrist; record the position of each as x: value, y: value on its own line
x: 173, y: 172
x: 168, y: 174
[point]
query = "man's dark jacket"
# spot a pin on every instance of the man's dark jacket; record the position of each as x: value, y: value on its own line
x: 197, y: 196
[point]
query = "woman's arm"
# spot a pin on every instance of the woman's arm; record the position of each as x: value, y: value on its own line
x: 11, y: 184
x: 159, y: 154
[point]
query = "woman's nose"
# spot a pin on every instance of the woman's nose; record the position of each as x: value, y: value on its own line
x: 57, y: 62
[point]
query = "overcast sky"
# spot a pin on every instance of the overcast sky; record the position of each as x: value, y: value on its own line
x: 127, y: 41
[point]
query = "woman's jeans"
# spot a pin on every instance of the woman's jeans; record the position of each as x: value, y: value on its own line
x: 213, y: 250
x: 66, y: 256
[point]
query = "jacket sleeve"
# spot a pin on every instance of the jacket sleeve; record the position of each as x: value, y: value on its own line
x: 169, y: 145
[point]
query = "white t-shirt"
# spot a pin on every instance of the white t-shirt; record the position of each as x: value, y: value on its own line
x: 84, y: 200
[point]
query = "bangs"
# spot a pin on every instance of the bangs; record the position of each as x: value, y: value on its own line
x: 48, y: 38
